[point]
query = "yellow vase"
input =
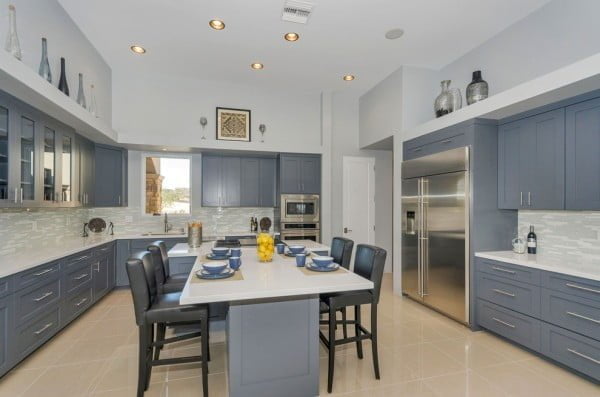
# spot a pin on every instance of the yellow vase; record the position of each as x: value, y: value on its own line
x: 265, y: 247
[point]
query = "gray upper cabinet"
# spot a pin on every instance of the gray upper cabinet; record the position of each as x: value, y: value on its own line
x: 231, y: 181
x: 211, y: 181
x: 258, y: 182
x: 110, y: 176
x: 531, y: 162
x: 300, y: 174
x: 86, y: 172
x: 582, y: 156
x: 268, y: 182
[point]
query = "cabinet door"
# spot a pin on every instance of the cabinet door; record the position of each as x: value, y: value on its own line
x: 6, y: 326
x: 108, y: 177
x: 290, y: 168
x: 69, y: 170
x: 546, y: 186
x: 250, y: 182
x: 28, y: 168
x: 100, y: 277
x: 268, y: 175
x: 211, y: 181
x: 6, y: 139
x: 231, y: 179
x: 49, y: 164
x: 512, y: 164
x: 86, y: 172
x: 310, y: 169
x: 582, y: 159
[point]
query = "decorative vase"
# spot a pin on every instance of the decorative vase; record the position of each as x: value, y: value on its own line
x: 443, y: 103
x: 265, y: 248
x: 456, y: 99
x: 44, y: 70
x: 477, y: 90
x: 63, y: 86
x: 93, y: 108
x: 12, y: 40
x: 80, y: 93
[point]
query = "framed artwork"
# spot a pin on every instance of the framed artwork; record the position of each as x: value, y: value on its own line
x: 233, y: 124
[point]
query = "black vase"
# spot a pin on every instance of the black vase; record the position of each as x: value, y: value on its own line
x: 62, y: 83
x: 477, y: 90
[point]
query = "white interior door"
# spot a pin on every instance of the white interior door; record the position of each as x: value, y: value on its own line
x: 359, y: 199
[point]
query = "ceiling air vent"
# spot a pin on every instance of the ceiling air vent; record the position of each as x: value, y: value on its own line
x: 297, y: 11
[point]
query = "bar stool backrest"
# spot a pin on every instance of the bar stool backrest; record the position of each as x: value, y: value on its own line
x: 140, y: 270
x: 369, y: 263
x: 160, y: 257
x: 341, y: 251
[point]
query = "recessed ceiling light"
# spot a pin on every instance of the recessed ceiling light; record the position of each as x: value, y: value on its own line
x: 217, y: 24
x: 394, y: 34
x: 138, y: 49
x: 164, y: 149
x: 291, y: 36
x: 257, y: 66
x: 348, y: 77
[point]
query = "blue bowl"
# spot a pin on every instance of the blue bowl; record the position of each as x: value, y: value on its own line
x: 235, y: 262
x: 214, y: 267
x: 220, y: 251
x: 322, y: 261
x: 296, y: 249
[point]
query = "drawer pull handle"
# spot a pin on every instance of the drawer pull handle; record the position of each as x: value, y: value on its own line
x: 447, y: 141
x: 83, y: 275
x: 104, y: 249
x: 575, y: 352
x: 583, y: 288
x: 499, y: 291
x: 504, y: 322
x: 43, y: 272
x: 82, y: 258
x: 81, y: 302
x: 41, y: 298
x: 499, y: 269
x: 583, y: 317
x: 45, y: 327
x: 417, y: 150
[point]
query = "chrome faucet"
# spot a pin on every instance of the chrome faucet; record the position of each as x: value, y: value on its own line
x: 85, y: 233
x: 168, y: 226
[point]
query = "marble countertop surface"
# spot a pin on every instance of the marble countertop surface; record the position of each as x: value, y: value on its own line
x: 277, y: 279
x: 184, y: 250
x: 551, y: 263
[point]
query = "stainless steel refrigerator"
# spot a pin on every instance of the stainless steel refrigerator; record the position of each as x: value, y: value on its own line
x: 435, y: 231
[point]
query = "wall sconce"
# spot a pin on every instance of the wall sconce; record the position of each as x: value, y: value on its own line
x: 203, y: 122
x: 262, y: 128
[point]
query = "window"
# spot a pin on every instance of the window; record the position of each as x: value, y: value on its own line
x: 167, y: 185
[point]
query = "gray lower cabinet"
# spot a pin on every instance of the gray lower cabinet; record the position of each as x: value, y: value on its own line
x: 299, y: 174
x: 110, y: 180
x: 554, y: 314
x: 6, y: 315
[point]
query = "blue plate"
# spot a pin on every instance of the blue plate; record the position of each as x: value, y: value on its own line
x: 332, y: 267
x: 292, y: 255
x: 208, y: 276
x: 214, y: 257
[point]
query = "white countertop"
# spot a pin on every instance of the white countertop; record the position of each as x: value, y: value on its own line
x: 276, y: 279
x: 40, y: 254
x: 183, y: 249
x: 549, y: 263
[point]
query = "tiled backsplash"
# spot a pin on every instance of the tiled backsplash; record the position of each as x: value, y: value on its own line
x: 574, y: 235
x: 23, y: 229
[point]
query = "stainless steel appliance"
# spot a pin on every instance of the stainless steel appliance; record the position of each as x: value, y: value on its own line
x: 300, y: 231
x: 435, y: 231
x: 299, y: 208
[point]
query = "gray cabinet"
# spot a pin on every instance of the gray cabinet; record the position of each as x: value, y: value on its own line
x: 211, y: 181
x: 531, y: 162
x: 86, y: 172
x: 582, y: 155
x: 6, y: 353
x: 300, y: 174
x: 110, y: 176
x: 258, y: 179
x: 231, y: 181
x: 100, y: 276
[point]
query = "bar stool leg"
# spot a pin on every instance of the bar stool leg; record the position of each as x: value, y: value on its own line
x: 357, y: 332
x: 332, y: 323
x: 344, y: 319
x: 149, y: 351
x: 204, y: 342
x: 374, y: 339
x: 142, y: 360
x: 160, y: 335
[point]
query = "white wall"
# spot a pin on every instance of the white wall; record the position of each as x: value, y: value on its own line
x: 165, y: 110
x: 420, y: 87
x: 46, y: 18
x: 560, y: 33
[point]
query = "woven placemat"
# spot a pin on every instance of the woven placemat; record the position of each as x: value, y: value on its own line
x: 315, y: 273
x: 236, y: 277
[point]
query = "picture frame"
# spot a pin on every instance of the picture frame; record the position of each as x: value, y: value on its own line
x: 233, y: 124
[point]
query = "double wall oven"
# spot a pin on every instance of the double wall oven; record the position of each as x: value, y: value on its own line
x: 299, y: 217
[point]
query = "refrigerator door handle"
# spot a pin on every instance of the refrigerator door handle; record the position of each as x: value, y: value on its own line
x: 419, y: 237
x: 425, y: 242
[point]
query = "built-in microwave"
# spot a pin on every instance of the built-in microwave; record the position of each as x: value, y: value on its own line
x: 299, y: 208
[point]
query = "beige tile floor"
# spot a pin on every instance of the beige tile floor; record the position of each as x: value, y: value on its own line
x: 421, y: 354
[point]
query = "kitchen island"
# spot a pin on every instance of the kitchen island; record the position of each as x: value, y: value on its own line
x: 273, y: 320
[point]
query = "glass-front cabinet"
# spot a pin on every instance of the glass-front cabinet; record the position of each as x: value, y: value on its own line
x: 28, y: 174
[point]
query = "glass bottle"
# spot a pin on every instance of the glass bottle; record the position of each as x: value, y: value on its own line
x: 62, y: 83
x: 443, y: 103
x: 12, y: 40
x: 456, y: 99
x: 93, y: 108
x: 44, y: 70
x: 80, y: 93
x: 477, y: 90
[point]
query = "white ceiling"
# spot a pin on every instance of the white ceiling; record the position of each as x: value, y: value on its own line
x: 342, y: 36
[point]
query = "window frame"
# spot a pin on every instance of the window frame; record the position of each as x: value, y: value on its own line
x: 144, y: 156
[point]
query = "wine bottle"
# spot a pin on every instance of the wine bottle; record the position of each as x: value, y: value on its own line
x: 80, y: 93
x: 531, y: 241
x: 12, y: 39
x: 62, y: 83
x: 44, y: 69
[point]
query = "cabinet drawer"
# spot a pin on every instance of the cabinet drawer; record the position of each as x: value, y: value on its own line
x: 576, y: 314
x: 572, y: 350
x: 511, y: 325
x: 103, y: 250
x: 508, y: 270
x: 75, y: 260
x: 582, y: 287
x: 31, y: 336
x: 32, y: 301
x: 452, y: 142
x: 77, y: 276
x: 36, y: 275
x: 521, y: 297
x: 78, y: 301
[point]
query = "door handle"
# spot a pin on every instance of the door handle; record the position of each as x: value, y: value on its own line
x: 521, y: 199
x: 346, y: 230
x: 16, y: 201
x: 21, y: 195
x: 529, y: 199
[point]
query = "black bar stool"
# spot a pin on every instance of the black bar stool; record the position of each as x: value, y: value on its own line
x: 165, y: 281
x: 341, y: 252
x: 368, y: 263
x: 152, y: 308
